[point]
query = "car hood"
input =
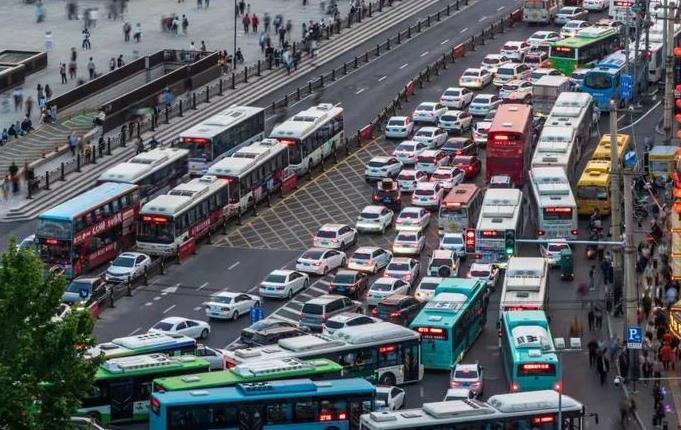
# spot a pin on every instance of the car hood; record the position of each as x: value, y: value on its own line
x: 71, y: 298
x: 117, y: 271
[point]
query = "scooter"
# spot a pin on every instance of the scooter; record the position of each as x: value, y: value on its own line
x: 592, y: 249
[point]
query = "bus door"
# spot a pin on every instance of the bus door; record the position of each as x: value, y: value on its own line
x: 250, y: 417
x: 121, y: 400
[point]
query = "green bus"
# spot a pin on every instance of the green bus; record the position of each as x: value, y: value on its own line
x: 123, y: 385
x: 451, y: 321
x: 584, y: 50
x: 282, y: 368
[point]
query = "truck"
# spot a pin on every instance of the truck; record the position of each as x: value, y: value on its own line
x: 545, y: 92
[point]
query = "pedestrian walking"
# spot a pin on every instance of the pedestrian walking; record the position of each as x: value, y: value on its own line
x: 6, y: 187
x: 127, y: 28
x: 207, y: 3
x: 592, y: 346
x: 199, y: 4
x: 601, y: 367
x: 137, y: 33
x: 140, y: 146
x: 86, y: 39
x: 666, y: 353
x: 62, y: 73
x: 246, y: 21
x: 592, y: 278
x: 73, y: 143
x: 120, y: 62
x: 242, y: 7
x: 598, y: 313
x: 659, y: 415
x: 192, y: 46
x: 266, y: 21
x: 248, y: 8
x: 112, y: 64
x: 289, y: 29
x: 73, y: 69
x: 18, y: 96
x: 591, y: 317
x: 28, y: 105
x: 261, y: 42
x: 91, y: 68
x: 48, y: 92
x: 658, y: 367
x: 185, y: 24
x: 278, y: 22
x: 282, y: 36
x: 254, y: 23
x: 203, y: 46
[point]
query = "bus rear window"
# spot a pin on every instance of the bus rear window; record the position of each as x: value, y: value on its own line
x: 536, y: 369
x: 429, y: 160
x: 592, y: 193
x: 562, y: 52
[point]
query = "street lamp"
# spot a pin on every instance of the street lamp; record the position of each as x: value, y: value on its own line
x: 559, y: 347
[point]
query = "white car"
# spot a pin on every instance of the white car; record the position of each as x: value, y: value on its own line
x: 454, y: 242
x: 389, y: 398
x: 541, y: 72
x: 374, y: 218
x: 429, y: 161
x: 447, y: 177
x: 346, y: 319
x: 335, y: 236
x: 458, y: 394
x: 476, y: 78
x: 226, y: 305
x: 468, y: 376
x: 444, y: 264
x: 480, y: 132
x: 567, y: 13
x: 492, y: 62
x: 320, y: 260
x: 455, y: 121
x: 456, y: 98
x: 369, y: 259
x: 511, y: 72
x: 524, y: 87
x: 483, y: 103
x: 428, y: 194
x: 551, y: 251
x: 409, y: 178
x: 382, y: 167
x: 434, y: 137
x: 407, y: 151
x: 409, y: 243
x: 384, y: 287
x: 428, y: 112
x: 28, y: 242
x: 184, y: 326
x: 404, y: 268
x: 283, y: 283
x: 215, y: 356
x: 484, y: 272
x: 399, y: 127
x: 426, y: 288
x: 412, y: 219
x: 543, y: 37
x: 572, y: 27
x: 597, y: 5
x: 128, y: 266
x: 515, y: 49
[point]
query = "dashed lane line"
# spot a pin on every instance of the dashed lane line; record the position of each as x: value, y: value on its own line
x: 464, y: 30
x: 381, y: 78
x: 444, y: 41
x: 360, y: 91
x: 423, y: 54
x: 204, y: 285
x: 233, y: 265
x: 135, y: 331
x: 169, y: 309
x: 482, y: 19
x: 403, y: 66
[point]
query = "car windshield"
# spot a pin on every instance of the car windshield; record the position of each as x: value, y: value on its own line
x: 482, y: 100
x: 448, y: 117
x: 466, y: 374
x: 78, y: 286
x: 407, y: 237
x: 396, y: 122
x: 506, y: 71
x: 314, y: 309
x: 453, y: 93
x: 509, y: 87
x: 437, y: 262
x: 425, y: 107
x: 406, y: 147
x: 471, y: 73
x: 480, y: 273
x: 369, y: 215
x: 376, y: 163
x: 124, y: 262
x: 344, y: 279
x: 426, y: 133
x: 361, y: 256
x: 222, y: 299
x: 459, y: 160
x: 597, y: 81
x: 381, y: 286
x: 566, y: 11
x: 556, y: 248
x: 412, y: 215
x: 327, y: 234
x: 452, y: 240
x: 334, y: 324
x: 442, y: 175
x: 491, y: 61
x: 509, y: 47
x: 313, y: 255
x: 276, y: 279
x: 163, y: 326
x: 400, y: 267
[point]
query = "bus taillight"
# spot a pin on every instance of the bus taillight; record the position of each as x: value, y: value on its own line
x: 540, y: 233
x: 557, y: 387
x: 574, y: 232
x: 548, y: 419
x: 155, y: 405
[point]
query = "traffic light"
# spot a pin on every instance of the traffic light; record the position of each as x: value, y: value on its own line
x: 469, y: 240
x: 509, y: 242
x: 677, y: 107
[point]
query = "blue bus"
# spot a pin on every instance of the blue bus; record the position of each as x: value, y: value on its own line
x: 294, y: 404
x: 606, y: 81
x: 451, y: 321
x: 527, y: 352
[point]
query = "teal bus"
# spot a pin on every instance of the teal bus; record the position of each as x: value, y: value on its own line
x: 527, y: 352
x: 585, y: 49
x: 300, y: 404
x: 606, y: 81
x: 451, y: 321
x: 147, y: 343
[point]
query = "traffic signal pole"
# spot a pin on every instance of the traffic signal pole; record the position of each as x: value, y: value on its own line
x: 615, y: 195
x: 669, y: 72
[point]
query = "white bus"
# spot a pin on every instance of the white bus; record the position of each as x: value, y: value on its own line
x: 173, y: 222
x: 221, y: 135
x: 251, y: 173
x: 501, y: 209
x: 388, y: 354
x: 555, y: 203
x: 656, y: 62
x: 557, y: 147
x: 152, y: 171
x: 526, y: 285
x: 528, y: 410
x: 311, y: 136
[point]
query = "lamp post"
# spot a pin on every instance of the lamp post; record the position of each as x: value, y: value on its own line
x: 559, y: 347
x: 236, y: 14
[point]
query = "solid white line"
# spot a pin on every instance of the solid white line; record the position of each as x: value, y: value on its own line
x: 403, y: 66
x: 444, y: 41
x: 381, y: 78
x: 148, y: 304
x: 323, y: 282
x: 642, y: 116
x: 157, y: 298
x: 204, y: 285
x: 169, y: 309
x: 360, y: 91
x: 500, y: 8
x: 135, y: 331
x: 198, y: 308
x: 293, y: 311
x: 464, y: 30
x: 620, y: 118
x: 424, y: 54
x: 482, y: 19
x: 233, y: 266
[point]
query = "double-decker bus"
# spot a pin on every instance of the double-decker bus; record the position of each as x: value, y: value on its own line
x: 585, y: 49
x: 123, y: 385
x: 526, y: 285
x: 555, y: 203
x: 147, y: 343
x: 527, y: 352
x: 459, y: 210
x: 178, y: 219
x: 500, y: 212
x: 220, y: 135
x: 602, y: 151
x: 509, y: 143
x: 387, y: 354
x: 540, y: 11
x: 451, y: 321
x: 282, y: 368
x: 251, y: 173
x: 151, y: 171
x: 536, y: 410
x: 90, y: 229
x: 300, y: 404
x: 311, y: 135
x: 593, y: 188
x: 557, y: 147
x: 606, y: 81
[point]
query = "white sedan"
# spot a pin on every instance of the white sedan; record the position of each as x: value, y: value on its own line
x: 184, y: 326
x: 476, y: 78
x: 384, y: 287
x: 128, y: 266
x: 412, y: 219
x: 409, y: 243
x: 492, y: 62
x: 434, y: 137
x: 369, y: 259
x: 408, y: 179
x: 226, y: 305
x: 428, y: 194
x: 574, y: 26
x: 517, y: 86
x: 456, y: 98
x: 428, y: 112
x: 543, y: 37
x: 399, y: 127
x: 283, y: 283
x: 407, y: 151
x: 404, y: 268
x: 447, y: 177
x: 455, y: 121
x: 382, y: 167
x: 374, y: 218
x: 389, y: 398
x: 335, y: 236
x: 320, y: 260
x: 482, y: 104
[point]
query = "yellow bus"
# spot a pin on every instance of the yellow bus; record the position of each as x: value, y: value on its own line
x: 602, y: 151
x: 593, y: 188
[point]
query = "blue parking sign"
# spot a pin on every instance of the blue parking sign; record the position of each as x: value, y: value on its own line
x: 634, y: 337
x: 627, y: 85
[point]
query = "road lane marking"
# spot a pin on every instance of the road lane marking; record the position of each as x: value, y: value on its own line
x: 381, y: 78
x: 204, y: 285
x: 500, y: 8
x: 283, y: 318
x: 292, y: 310
x: 424, y: 54
x: 198, y: 308
x: 403, y: 66
x: 148, y: 304
x: 169, y: 309
x: 157, y: 298
x: 464, y: 30
x: 360, y: 91
x: 482, y: 19
x: 444, y: 41
x: 621, y: 117
x: 233, y: 265
x: 135, y: 331
x: 171, y: 289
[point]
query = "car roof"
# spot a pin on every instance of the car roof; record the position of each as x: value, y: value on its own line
x: 514, y: 42
x: 481, y: 266
x: 499, y: 56
x: 411, y: 209
x: 431, y: 152
x: 575, y: 21
x: 453, y: 234
x: 331, y: 226
x: 87, y: 280
x: 542, y: 32
x: 426, y: 186
x: 324, y: 299
x: 175, y: 320
x: 444, y: 169
x: 473, y: 69
x: 401, y: 260
x: 367, y: 249
x: 466, y: 367
x: 427, y: 128
x: 347, y: 272
x: 402, y: 118
x: 375, y: 209
x: 381, y: 158
x: 385, y: 280
x: 226, y: 294
x: 317, y: 248
x: 131, y: 254
x: 483, y: 96
x: 426, y: 104
x: 519, y: 81
x: 454, y: 89
x: 344, y: 317
x: 283, y: 272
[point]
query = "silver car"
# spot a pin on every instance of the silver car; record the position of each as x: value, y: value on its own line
x: 409, y: 243
x: 384, y: 287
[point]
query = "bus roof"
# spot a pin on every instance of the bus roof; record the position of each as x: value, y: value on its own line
x: 448, y: 303
x: 532, y: 401
x: 585, y: 38
x: 182, y: 196
x: 246, y: 159
x: 305, y: 121
x: 611, y: 63
x: 531, y: 336
x: 511, y: 118
x: 142, y: 164
x: 218, y: 123
x: 461, y: 195
x: 500, y: 209
x: 526, y: 266
x: 150, y: 364
x: 84, y: 202
x: 602, y: 151
x: 596, y: 172
x: 139, y: 344
x: 663, y: 151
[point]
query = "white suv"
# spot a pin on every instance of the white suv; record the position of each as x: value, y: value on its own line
x: 335, y: 236
x: 444, y: 264
x: 428, y: 194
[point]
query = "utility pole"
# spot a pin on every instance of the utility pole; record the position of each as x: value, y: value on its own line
x: 630, y: 288
x: 615, y: 195
x: 669, y: 71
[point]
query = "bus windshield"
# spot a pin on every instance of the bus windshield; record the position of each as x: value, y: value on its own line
x: 598, y: 81
x: 60, y: 230
x: 156, y: 232
x: 55, y: 253
x: 592, y: 192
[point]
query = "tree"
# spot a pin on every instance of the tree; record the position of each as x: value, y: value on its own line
x: 43, y: 372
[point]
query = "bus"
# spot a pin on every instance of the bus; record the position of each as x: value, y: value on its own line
x: 147, y: 343
x: 540, y: 11
x: 501, y: 209
x: 593, y: 188
x: 605, y: 82
x: 656, y: 61
x: 557, y: 147
x: 151, y: 171
x: 585, y: 49
x: 459, y: 210
x: 526, y: 285
x: 90, y: 229
x: 300, y: 404
x: 123, y: 385
x: 311, y: 136
x: 451, y: 321
x: 281, y: 368
x: 536, y: 410
x: 527, y: 352
x: 388, y: 354
x: 221, y: 135
x: 602, y: 151
x: 251, y: 173
x: 573, y: 110
x: 509, y: 143
x: 173, y: 222
x: 555, y: 203
x: 620, y: 10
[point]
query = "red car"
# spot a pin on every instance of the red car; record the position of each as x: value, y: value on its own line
x: 349, y: 283
x: 470, y: 164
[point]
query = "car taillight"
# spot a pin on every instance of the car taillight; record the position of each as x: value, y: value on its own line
x: 475, y: 384
x: 374, y: 311
x: 375, y: 198
x: 317, y: 263
x: 394, y: 314
x: 468, y: 275
x: 540, y: 232
x: 405, y: 277
x: 334, y: 240
x: 574, y: 232
x: 454, y: 384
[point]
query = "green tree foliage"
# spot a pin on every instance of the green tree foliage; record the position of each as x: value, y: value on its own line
x: 43, y: 373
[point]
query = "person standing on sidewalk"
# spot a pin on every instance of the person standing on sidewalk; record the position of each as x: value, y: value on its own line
x: 246, y: 21
x: 18, y: 95
x: 254, y: 23
x: 127, y: 28
x: 601, y: 367
x: 73, y: 143
x: 29, y: 106
x: 13, y: 173
x: 137, y: 33
x: 266, y: 21
x: 598, y: 313
x: 591, y: 318
x: 91, y: 68
x: 666, y: 355
x: 6, y: 187
x: 592, y: 278
x: 62, y: 73
x: 86, y: 39
x: 592, y: 346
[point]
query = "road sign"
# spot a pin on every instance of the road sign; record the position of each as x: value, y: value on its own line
x: 634, y: 338
x: 256, y: 314
x: 630, y: 159
x: 627, y: 84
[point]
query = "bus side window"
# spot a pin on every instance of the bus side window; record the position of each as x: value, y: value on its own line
x: 278, y: 413
x: 305, y: 411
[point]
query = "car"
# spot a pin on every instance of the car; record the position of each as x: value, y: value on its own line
x: 480, y: 132
x: 428, y: 112
x: 447, y: 177
x: 568, y: 13
x: 214, y: 356
x: 320, y: 260
x: 249, y: 333
x: 454, y: 242
x: 409, y: 243
x: 577, y: 78
x: 374, y: 219
x: 434, y: 137
x: 230, y: 305
x: 510, y: 72
x: 443, y: 264
x: 63, y: 310
x: 412, y: 219
x: 28, y: 242
x: 319, y: 309
x: 536, y: 58
x: 128, y: 266
x: 407, y: 151
x: 283, y: 284
x: 272, y: 335
x: 404, y: 268
x: 431, y: 160
x: 475, y: 78
x: 351, y: 283
x: 458, y: 394
x: 470, y: 164
x: 551, y: 251
x: 399, y: 127
x: 346, y: 319
x: 501, y: 181
x: 460, y: 145
x: 595, y: 5
x: 610, y: 23
x: 541, y: 72
x: 387, y: 193
x: 543, y: 38
x: 515, y: 50
x: 425, y: 290
x: 485, y: 272
x: 515, y: 86
x: 389, y: 398
x: 573, y: 26
x: 369, y: 259
x: 409, y: 178
x: 397, y: 308
x: 492, y: 62
x: 428, y: 195
x: 383, y: 166
x: 185, y: 326
x: 456, y: 98
x: 335, y: 236
x: 455, y: 121
x: 84, y: 291
x: 384, y: 287
x: 468, y: 376
x: 483, y: 103
x: 489, y: 117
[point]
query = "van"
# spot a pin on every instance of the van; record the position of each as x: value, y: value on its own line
x: 511, y: 72
x: 321, y: 308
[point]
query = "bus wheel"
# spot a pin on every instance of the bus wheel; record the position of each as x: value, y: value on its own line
x: 387, y: 379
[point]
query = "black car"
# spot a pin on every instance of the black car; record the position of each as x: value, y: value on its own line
x: 388, y: 194
x: 259, y: 327
x: 460, y: 146
x: 271, y: 336
x: 398, y: 309
x: 349, y: 283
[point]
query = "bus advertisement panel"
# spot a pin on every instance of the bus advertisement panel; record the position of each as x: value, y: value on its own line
x: 500, y: 213
x: 526, y: 285
x: 509, y: 143
x: 593, y: 188
x: 585, y: 49
x: 556, y: 206
x: 459, y: 210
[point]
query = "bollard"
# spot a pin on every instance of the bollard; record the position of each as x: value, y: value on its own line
x: 380, y: 5
x: 181, y: 105
x: 100, y: 147
x: 78, y: 162
x: 378, y: 49
x: 456, y: 5
x: 428, y: 21
x: 333, y: 74
x: 131, y: 130
x: 194, y: 101
x: 370, y: 10
x: 448, y: 7
x: 233, y: 80
x: 298, y: 93
x: 63, y: 176
x: 153, y: 121
x: 345, y: 68
x: 207, y: 93
x: 246, y: 74
x: 122, y: 139
x: 258, y: 67
x: 94, y: 155
x: 47, y: 180
x: 347, y: 147
x: 309, y: 87
x: 220, y: 81
x: 321, y: 165
x: 482, y: 37
x: 167, y: 115
x: 438, y: 15
x: 139, y: 129
x: 444, y: 61
x: 111, y: 297
x: 321, y: 81
x: 286, y: 100
x: 356, y: 60
x: 359, y: 139
x: 366, y: 57
x: 418, y: 27
x: 399, y: 37
x: 145, y: 276
x: 108, y: 146
x: 409, y: 32
x: 427, y: 73
x: 274, y: 105
x: 128, y: 288
x: 162, y: 266
x: 388, y: 46
x: 472, y: 43
x: 238, y: 216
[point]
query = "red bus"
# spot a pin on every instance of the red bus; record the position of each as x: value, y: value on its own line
x: 89, y: 229
x: 509, y: 143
